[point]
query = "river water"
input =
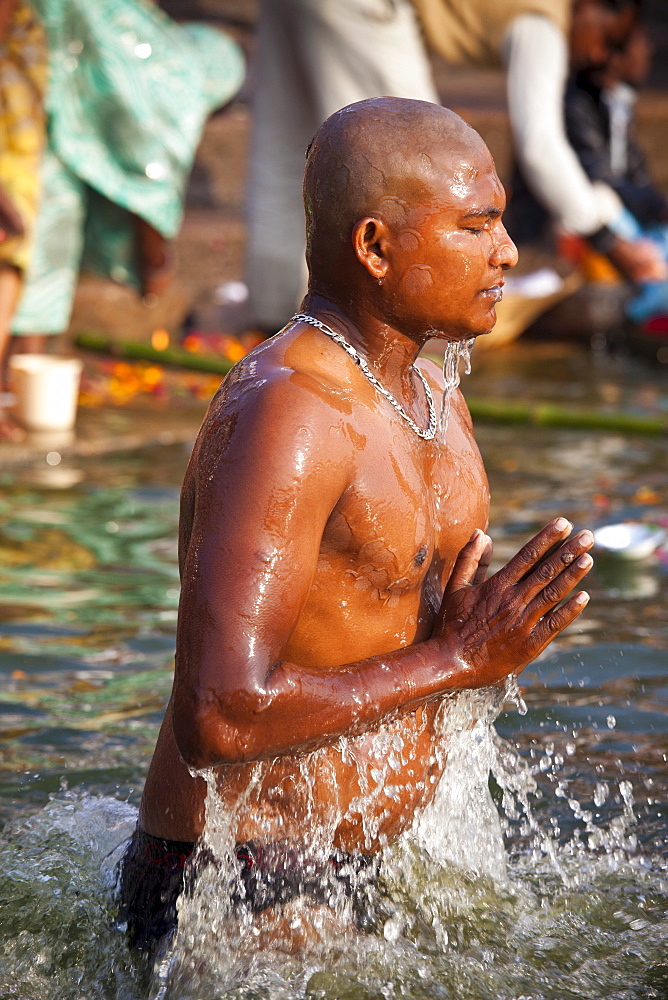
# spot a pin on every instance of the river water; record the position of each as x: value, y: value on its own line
x: 572, y: 904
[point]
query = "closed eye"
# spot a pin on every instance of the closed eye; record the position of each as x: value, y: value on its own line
x: 482, y: 220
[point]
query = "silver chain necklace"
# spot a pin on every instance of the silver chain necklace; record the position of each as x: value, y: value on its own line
x: 427, y: 434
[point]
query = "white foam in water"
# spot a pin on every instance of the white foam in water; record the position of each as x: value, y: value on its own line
x: 98, y: 825
x: 461, y: 825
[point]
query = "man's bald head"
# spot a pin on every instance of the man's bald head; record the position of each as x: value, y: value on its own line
x: 384, y: 155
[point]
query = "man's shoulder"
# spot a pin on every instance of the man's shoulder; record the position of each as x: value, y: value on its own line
x: 269, y: 412
x: 284, y: 361
x: 276, y: 390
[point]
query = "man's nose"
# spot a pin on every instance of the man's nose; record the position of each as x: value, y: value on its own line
x: 504, y: 253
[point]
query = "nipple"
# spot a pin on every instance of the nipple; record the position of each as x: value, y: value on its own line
x: 420, y: 555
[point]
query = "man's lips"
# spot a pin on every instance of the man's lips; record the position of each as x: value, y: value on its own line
x: 494, y: 292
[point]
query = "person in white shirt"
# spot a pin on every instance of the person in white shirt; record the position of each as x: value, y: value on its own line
x: 315, y: 56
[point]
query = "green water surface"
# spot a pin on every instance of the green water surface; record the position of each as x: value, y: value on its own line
x: 88, y: 596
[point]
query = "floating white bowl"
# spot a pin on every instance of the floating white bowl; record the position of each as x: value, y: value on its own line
x: 630, y: 540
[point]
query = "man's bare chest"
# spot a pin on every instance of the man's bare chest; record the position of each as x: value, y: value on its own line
x: 408, y: 513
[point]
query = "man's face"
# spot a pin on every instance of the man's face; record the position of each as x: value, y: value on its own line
x: 596, y: 31
x: 449, y: 253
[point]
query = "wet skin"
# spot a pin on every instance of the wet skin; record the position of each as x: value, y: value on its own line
x: 333, y: 563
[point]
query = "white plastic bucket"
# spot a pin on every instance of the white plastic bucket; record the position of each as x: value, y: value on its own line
x: 46, y: 390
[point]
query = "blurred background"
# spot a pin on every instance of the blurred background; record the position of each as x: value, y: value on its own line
x: 211, y: 242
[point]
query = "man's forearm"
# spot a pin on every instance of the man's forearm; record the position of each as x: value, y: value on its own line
x: 299, y: 708
x: 483, y: 631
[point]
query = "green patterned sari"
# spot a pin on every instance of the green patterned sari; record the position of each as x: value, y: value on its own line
x: 128, y: 95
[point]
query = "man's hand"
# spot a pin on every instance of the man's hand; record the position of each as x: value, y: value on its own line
x: 496, y: 627
x: 638, y: 260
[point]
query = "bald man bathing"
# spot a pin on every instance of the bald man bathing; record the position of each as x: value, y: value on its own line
x: 333, y: 552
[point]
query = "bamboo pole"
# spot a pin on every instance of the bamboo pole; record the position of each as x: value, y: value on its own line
x: 130, y: 350
x: 552, y: 415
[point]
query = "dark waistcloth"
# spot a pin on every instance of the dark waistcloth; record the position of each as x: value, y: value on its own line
x: 155, y: 871
x: 152, y: 877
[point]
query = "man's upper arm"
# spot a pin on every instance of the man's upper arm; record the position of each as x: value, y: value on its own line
x: 262, y: 500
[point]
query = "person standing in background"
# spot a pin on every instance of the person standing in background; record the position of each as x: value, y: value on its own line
x: 314, y: 57
x: 23, y: 74
x: 128, y: 95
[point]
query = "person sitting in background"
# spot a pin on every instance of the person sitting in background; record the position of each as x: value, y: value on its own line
x: 23, y: 71
x: 600, y: 123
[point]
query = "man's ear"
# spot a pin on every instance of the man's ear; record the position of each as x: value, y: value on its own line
x: 369, y: 238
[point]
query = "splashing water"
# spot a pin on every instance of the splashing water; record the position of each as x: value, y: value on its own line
x: 450, y: 914
x: 221, y: 941
x: 447, y: 916
x: 455, y: 351
x: 514, y: 694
